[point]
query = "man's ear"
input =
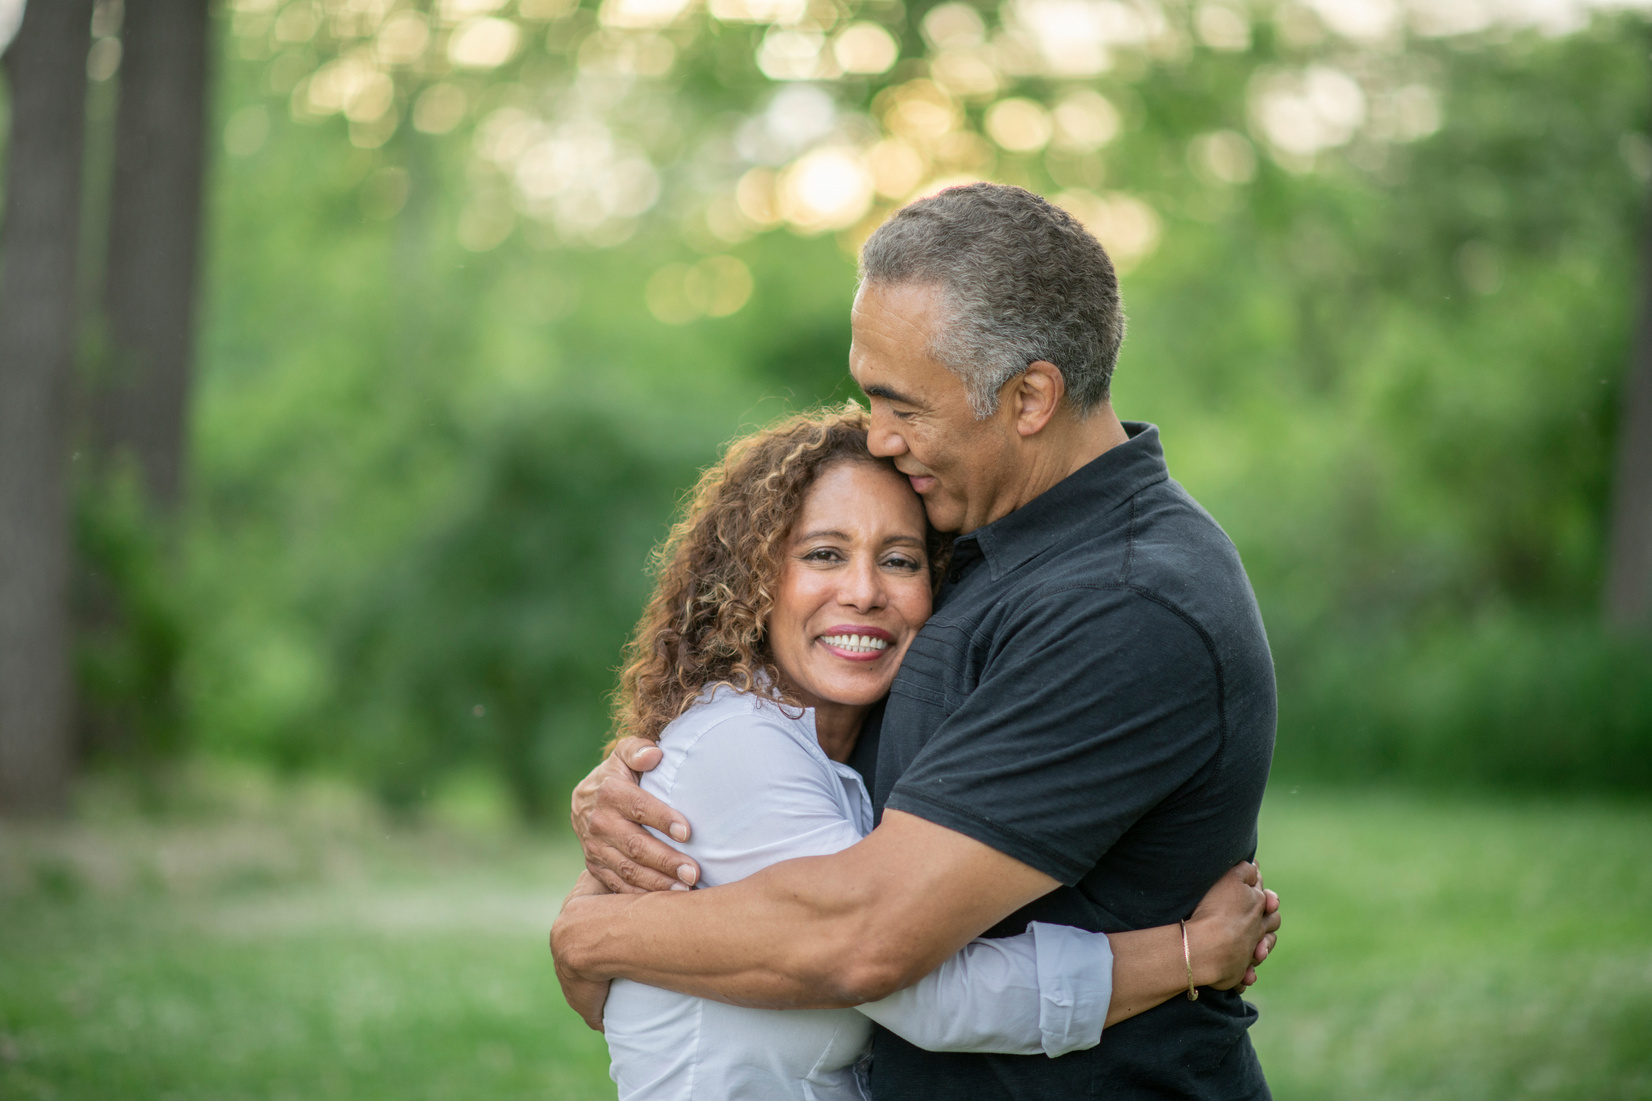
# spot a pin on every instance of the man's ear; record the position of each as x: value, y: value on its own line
x: 1037, y: 395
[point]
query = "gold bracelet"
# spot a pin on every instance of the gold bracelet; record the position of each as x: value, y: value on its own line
x: 1187, y: 958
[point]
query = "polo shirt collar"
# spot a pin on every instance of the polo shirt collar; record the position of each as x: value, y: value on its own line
x: 1078, y: 500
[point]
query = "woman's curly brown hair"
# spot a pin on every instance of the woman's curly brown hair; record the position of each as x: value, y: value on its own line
x: 717, y: 572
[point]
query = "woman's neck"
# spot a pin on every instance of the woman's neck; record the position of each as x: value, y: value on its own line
x: 837, y: 727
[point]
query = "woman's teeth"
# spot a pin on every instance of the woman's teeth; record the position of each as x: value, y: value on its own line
x: 859, y: 644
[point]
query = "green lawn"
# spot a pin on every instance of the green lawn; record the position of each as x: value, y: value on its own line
x: 298, y: 949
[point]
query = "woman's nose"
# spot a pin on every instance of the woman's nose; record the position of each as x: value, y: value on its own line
x: 862, y: 587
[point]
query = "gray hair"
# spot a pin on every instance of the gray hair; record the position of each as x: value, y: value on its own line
x: 1023, y: 281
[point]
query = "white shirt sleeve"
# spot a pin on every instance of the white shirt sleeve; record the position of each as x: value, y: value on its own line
x: 756, y: 797
x: 1046, y: 990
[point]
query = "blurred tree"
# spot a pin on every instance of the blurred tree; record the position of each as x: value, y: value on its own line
x: 45, y: 68
x: 137, y: 388
x: 1629, y: 561
x: 141, y: 398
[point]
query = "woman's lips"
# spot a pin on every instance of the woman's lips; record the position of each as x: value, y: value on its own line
x: 864, y: 644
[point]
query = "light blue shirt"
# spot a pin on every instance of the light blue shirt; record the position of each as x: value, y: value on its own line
x: 753, y: 781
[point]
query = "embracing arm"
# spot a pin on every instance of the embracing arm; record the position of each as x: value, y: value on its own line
x: 850, y: 928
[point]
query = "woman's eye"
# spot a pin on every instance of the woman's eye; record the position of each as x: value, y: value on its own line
x: 903, y: 563
x: 824, y: 554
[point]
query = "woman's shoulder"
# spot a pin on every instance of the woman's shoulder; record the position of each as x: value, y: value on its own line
x: 744, y: 730
x: 729, y: 711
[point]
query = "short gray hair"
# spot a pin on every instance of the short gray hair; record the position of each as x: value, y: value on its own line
x: 1023, y: 281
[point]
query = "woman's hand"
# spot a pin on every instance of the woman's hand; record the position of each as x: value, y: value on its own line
x: 609, y: 812
x: 586, y: 996
x: 1233, y: 930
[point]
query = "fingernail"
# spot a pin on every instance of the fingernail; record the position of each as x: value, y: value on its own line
x: 688, y: 873
x: 679, y: 831
x: 680, y: 887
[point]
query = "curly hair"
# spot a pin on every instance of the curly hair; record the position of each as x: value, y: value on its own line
x: 717, y: 572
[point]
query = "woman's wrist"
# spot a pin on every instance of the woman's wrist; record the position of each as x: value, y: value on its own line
x: 1207, y: 953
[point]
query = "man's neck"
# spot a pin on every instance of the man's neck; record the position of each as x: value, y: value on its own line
x: 1065, y: 446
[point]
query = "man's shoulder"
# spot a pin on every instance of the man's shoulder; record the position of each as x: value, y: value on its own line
x: 1158, y: 548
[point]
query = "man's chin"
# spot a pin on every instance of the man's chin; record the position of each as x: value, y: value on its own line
x: 944, y: 516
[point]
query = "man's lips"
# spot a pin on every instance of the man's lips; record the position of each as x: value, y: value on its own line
x: 920, y: 482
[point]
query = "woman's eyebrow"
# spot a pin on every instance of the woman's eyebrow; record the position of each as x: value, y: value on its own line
x: 913, y: 540
x: 828, y: 534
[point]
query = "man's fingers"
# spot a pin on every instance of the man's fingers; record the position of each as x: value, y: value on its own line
x: 613, y: 882
x: 1249, y: 979
x: 1271, y: 903
x: 629, y: 843
x: 642, y: 808
x: 637, y: 877
x: 1249, y: 873
x: 639, y: 754
x: 1271, y: 923
x: 1264, y: 947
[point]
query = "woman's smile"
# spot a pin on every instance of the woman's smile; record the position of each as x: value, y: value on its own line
x: 857, y: 643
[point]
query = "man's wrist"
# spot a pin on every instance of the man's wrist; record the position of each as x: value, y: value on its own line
x: 571, y: 942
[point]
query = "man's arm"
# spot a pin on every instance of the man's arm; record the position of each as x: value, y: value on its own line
x: 843, y: 929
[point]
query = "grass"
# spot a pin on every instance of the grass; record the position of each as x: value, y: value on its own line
x: 291, y: 945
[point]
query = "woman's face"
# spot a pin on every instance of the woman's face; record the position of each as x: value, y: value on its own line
x: 854, y: 586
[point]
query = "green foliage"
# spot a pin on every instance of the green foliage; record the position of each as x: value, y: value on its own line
x: 427, y: 479
x: 496, y: 635
x: 134, y: 627
x: 1505, y: 701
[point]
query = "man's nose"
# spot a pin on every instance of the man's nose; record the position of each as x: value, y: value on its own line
x: 883, y: 440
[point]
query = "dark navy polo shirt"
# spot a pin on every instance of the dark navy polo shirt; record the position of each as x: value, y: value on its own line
x: 1094, y: 696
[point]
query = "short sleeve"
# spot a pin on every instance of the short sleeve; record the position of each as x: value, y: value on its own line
x: 1093, y: 706
x: 754, y: 797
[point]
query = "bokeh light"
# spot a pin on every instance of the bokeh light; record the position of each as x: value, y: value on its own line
x: 1019, y: 125
x: 827, y: 189
x: 865, y: 48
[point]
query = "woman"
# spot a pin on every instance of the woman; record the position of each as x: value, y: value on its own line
x: 786, y: 599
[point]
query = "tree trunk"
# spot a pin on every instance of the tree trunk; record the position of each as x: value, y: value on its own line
x: 1629, y: 561
x: 140, y: 404
x: 46, y: 70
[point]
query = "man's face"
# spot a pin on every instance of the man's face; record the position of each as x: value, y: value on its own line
x: 921, y: 416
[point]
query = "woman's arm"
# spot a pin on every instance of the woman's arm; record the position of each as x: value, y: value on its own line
x: 1052, y: 988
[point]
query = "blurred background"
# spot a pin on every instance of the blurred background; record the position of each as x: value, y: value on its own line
x: 354, y: 353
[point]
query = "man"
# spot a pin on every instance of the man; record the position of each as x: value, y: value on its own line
x: 1081, y: 734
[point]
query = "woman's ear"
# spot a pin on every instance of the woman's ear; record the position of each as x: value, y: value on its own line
x: 1038, y: 393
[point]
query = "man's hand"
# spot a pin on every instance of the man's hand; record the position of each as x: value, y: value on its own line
x: 1234, y: 929
x: 609, y: 812
x: 586, y: 996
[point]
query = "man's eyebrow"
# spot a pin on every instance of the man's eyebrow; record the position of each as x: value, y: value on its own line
x: 887, y: 394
